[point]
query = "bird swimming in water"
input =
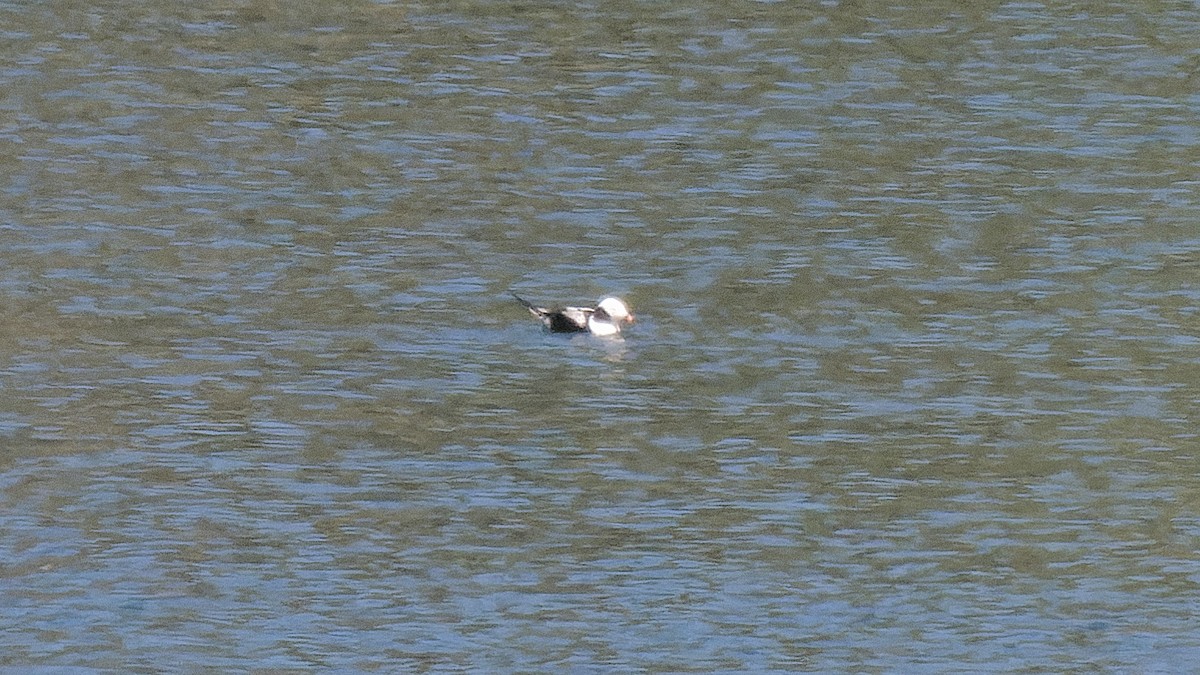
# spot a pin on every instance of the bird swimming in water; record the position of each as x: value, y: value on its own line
x: 604, y: 319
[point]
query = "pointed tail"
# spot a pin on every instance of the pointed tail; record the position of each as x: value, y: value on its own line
x: 533, y: 309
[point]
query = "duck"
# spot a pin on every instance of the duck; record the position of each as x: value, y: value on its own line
x: 604, y: 319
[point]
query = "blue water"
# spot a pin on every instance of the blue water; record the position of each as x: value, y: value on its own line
x: 910, y: 389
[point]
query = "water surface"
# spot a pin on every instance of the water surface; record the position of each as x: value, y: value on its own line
x: 912, y: 386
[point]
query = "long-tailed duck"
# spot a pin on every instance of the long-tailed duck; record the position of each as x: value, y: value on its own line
x: 604, y: 320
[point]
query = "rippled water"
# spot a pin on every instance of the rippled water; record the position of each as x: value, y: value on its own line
x: 912, y: 386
